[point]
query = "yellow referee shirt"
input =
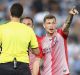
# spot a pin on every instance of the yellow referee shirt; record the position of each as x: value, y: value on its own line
x: 15, y: 38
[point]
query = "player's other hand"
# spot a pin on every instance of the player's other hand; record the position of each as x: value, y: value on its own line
x: 73, y: 11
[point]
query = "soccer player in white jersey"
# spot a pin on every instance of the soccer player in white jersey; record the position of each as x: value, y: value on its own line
x: 53, y: 48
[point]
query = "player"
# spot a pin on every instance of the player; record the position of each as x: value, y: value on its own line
x: 53, y: 49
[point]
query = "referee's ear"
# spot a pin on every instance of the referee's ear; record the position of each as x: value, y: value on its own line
x: 33, y: 26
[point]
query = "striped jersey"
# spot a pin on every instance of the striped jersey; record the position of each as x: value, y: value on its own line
x: 54, y: 55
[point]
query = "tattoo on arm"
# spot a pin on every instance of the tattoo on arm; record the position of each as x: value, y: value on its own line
x: 67, y: 23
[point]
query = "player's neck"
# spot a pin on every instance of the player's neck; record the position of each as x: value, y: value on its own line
x: 49, y: 35
x: 14, y: 19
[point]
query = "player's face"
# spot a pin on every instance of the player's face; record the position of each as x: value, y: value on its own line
x: 50, y: 25
x: 28, y: 22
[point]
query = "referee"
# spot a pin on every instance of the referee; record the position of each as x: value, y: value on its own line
x: 15, y: 38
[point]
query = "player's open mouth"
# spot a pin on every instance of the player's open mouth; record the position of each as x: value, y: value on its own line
x: 51, y: 29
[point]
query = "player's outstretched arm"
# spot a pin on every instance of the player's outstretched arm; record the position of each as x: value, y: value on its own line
x: 66, y: 25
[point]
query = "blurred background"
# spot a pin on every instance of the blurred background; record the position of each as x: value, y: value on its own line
x: 37, y: 9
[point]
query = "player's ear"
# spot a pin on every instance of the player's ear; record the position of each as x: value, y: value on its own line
x: 44, y: 25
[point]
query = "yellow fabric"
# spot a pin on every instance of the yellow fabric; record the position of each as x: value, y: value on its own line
x: 15, y: 39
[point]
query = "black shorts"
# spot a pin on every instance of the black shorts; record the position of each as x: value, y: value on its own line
x: 8, y: 69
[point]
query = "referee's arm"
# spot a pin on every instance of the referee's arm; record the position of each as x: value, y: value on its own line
x: 34, y: 43
x: 35, y: 51
x: 0, y: 41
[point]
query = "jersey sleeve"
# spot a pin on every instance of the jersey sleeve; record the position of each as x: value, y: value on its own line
x: 62, y: 33
x: 33, y: 42
x: 0, y: 35
x: 40, y: 55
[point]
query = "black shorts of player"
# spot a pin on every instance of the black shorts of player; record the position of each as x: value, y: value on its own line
x: 8, y: 69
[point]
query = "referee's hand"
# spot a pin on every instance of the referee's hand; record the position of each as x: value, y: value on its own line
x: 73, y: 11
